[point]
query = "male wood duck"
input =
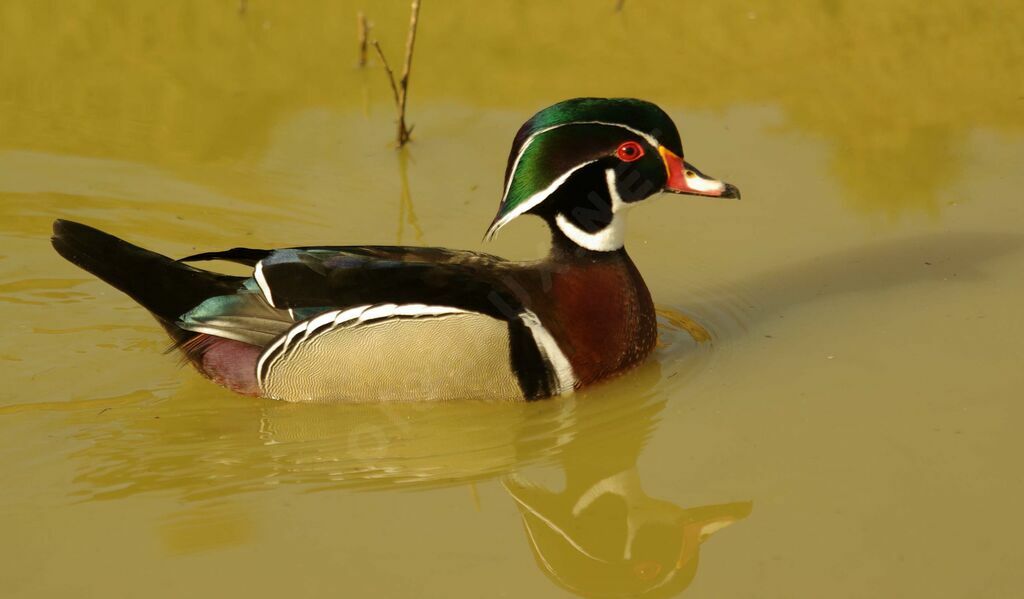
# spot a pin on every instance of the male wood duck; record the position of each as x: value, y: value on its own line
x: 379, y: 323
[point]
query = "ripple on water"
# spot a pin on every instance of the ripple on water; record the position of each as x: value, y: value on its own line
x: 696, y: 331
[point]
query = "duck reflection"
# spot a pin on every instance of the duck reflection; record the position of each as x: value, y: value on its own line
x: 613, y: 540
x: 598, y: 534
x: 601, y: 534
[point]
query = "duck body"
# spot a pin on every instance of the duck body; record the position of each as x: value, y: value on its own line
x: 380, y: 323
x: 393, y: 323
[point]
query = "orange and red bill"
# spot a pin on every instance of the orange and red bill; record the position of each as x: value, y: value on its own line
x: 685, y: 178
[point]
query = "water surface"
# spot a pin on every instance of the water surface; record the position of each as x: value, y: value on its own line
x: 832, y: 407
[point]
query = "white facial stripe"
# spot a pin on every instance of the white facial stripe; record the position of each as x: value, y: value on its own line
x: 538, y: 198
x: 565, y: 376
x: 529, y: 140
x: 608, y: 239
x: 698, y: 183
x: 535, y: 199
x: 554, y: 527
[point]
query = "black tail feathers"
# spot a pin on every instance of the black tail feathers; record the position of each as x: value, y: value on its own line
x: 164, y: 286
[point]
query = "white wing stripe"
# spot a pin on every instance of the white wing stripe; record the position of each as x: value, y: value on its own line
x: 376, y: 312
x: 342, y: 316
x: 295, y: 331
x: 261, y: 365
x: 262, y: 282
x: 319, y: 321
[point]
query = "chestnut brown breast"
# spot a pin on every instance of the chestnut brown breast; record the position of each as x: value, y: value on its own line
x: 603, y: 316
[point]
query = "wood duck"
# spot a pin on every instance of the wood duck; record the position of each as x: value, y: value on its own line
x: 379, y: 323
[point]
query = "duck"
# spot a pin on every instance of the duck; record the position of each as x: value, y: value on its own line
x: 374, y: 323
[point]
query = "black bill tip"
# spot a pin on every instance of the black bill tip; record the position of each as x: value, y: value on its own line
x: 731, y: 191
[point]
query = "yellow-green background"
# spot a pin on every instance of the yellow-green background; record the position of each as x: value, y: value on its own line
x: 854, y: 414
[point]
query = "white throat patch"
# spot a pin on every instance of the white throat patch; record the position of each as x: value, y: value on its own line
x: 608, y: 239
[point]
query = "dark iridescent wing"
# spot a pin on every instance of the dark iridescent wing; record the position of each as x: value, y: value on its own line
x: 291, y: 286
x: 304, y: 278
x: 250, y: 256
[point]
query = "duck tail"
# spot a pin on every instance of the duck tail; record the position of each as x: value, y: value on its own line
x: 162, y: 285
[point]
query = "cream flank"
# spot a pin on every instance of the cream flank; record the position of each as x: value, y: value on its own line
x: 296, y: 337
x: 359, y: 314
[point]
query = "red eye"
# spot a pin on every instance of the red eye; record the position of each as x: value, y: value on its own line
x: 629, y: 151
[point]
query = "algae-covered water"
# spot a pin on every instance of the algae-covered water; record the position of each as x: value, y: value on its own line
x: 833, y: 407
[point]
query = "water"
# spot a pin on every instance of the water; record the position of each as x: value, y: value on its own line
x: 832, y: 406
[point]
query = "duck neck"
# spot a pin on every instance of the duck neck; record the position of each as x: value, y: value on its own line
x: 601, y: 308
x: 566, y: 250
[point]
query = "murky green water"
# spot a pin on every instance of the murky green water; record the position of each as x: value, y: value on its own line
x: 848, y: 430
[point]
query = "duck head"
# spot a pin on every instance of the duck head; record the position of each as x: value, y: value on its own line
x: 581, y: 163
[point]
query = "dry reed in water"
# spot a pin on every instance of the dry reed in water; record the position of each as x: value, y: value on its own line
x: 363, y: 32
x: 400, y: 88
